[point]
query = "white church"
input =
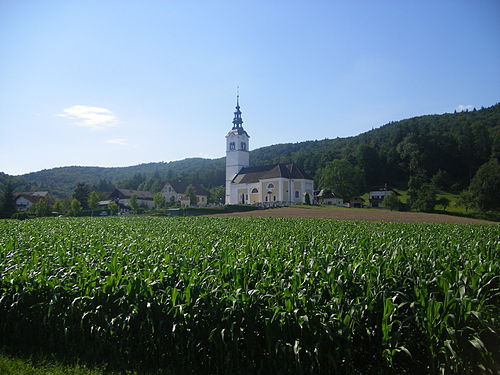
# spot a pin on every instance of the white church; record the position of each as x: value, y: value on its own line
x: 267, y: 185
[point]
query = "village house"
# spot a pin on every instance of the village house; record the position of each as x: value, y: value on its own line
x: 356, y: 202
x: 25, y: 200
x: 266, y: 185
x: 122, y: 197
x: 176, y: 192
x: 377, y: 195
x: 327, y: 197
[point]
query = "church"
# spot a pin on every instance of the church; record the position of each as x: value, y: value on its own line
x: 279, y: 184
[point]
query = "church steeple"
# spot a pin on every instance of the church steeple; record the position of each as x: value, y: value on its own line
x: 237, y: 121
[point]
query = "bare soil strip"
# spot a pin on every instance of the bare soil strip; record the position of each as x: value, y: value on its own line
x: 356, y: 214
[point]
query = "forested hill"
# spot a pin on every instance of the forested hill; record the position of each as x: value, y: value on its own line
x: 455, y: 144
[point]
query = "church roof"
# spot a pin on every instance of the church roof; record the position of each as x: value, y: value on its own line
x: 255, y: 174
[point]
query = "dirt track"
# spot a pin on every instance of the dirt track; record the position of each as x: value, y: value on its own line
x: 376, y: 215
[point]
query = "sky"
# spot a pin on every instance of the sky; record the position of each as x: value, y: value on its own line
x: 119, y: 83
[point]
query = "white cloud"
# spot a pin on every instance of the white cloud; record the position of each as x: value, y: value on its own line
x: 91, y: 117
x: 118, y: 141
x: 462, y: 108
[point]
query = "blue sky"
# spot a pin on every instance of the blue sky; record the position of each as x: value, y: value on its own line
x: 118, y: 83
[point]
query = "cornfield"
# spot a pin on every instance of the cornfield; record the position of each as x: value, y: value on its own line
x: 257, y: 296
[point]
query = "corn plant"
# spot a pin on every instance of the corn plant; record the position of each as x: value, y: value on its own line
x: 238, y: 295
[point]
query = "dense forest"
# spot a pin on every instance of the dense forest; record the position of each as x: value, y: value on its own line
x: 450, y: 146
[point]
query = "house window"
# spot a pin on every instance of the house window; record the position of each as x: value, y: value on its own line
x: 297, y: 194
x: 246, y: 196
x: 274, y: 198
x: 243, y: 146
x: 255, y: 190
x: 270, y: 186
x: 266, y: 198
x: 232, y: 146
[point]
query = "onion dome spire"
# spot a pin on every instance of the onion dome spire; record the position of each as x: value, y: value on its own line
x: 237, y: 121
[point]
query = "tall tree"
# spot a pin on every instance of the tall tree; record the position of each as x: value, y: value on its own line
x: 159, y: 200
x: 92, y: 201
x: 7, y: 203
x: 75, y: 207
x: 81, y: 194
x: 217, y: 194
x: 343, y: 178
x: 485, y: 186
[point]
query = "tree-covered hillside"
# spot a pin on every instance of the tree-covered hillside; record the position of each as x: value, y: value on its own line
x: 452, y: 146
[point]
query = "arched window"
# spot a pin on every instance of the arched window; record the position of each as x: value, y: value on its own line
x: 270, y: 186
x: 297, y: 194
x: 232, y: 146
x: 255, y: 190
x: 243, y: 146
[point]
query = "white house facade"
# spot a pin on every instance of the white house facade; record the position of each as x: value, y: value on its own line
x: 377, y: 195
x: 272, y: 184
x: 175, y: 191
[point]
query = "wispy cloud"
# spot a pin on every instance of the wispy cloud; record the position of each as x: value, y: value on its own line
x: 91, y: 117
x: 463, y: 107
x: 118, y: 141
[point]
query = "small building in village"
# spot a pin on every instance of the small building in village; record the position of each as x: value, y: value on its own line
x: 122, y: 197
x: 25, y: 200
x: 356, y: 202
x: 266, y: 185
x: 176, y: 191
x: 378, y: 193
x: 328, y: 197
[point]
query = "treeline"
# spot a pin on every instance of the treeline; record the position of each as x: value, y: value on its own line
x: 456, y: 144
x: 448, y: 149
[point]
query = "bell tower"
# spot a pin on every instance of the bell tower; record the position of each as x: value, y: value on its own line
x: 237, y: 150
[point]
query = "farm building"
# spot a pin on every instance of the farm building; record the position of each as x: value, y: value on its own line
x: 176, y: 191
x: 377, y: 195
x: 122, y: 197
x: 25, y: 200
x: 327, y: 197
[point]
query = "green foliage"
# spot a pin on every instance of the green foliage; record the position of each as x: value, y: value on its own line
x: 485, y: 186
x: 217, y: 195
x: 7, y: 203
x: 132, y: 201
x: 441, y: 180
x: 75, y: 207
x: 60, y: 206
x: 93, y: 200
x: 10, y: 365
x: 391, y: 201
x: 465, y: 200
x: 159, y: 200
x: 113, y: 207
x: 191, y: 194
x: 425, y: 199
x: 294, y: 296
x: 81, y: 194
x: 40, y: 208
x: 443, y: 202
x: 343, y: 178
